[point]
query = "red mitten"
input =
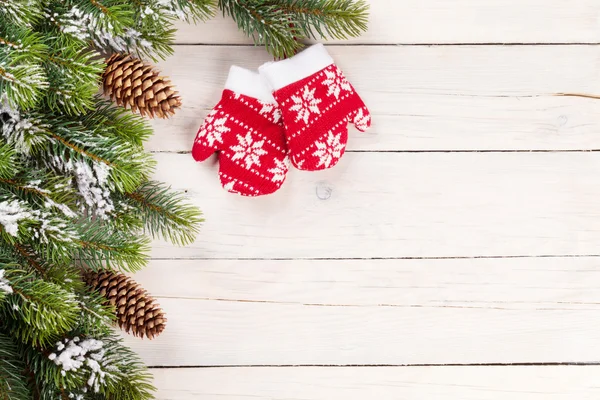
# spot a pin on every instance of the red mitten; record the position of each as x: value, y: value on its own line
x: 246, y: 131
x: 316, y: 102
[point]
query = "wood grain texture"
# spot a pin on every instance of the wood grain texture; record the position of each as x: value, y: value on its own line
x: 426, y: 98
x: 401, y: 205
x: 377, y: 261
x: 350, y: 312
x: 449, y: 383
x: 442, y: 21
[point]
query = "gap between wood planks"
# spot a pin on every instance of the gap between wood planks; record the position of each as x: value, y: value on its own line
x: 432, y: 151
x: 530, y: 364
x: 401, y: 44
x: 378, y: 305
x: 375, y: 258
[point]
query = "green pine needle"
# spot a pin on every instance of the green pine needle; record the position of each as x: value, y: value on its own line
x: 13, y: 384
x: 194, y: 10
x: 166, y: 214
x: 281, y: 25
x: 102, y: 246
x: 39, y: 311
x: 8, y: 160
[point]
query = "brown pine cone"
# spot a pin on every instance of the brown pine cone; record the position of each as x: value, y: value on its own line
x: 138, y: 313
x: 130, y: 82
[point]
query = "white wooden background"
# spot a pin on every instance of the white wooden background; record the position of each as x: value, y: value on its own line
x: 454, y: 253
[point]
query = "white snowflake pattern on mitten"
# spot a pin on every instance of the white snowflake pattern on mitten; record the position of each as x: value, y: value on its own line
x: 329, y: 150
x: 305, y: 105
x: 248, y: 151
x: 280, y: 170
x: 213, y: 129
x: 335, y: 82
x: 270, y: 110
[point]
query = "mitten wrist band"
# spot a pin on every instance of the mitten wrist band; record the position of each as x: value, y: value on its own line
x: 283, y: 73
x: 248, y: 83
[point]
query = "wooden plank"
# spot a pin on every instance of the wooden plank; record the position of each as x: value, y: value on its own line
x: 401, y: 205
x: 426, y: 98
x: 374, y: 312
x: 441, y: 21
x: 448, y: 383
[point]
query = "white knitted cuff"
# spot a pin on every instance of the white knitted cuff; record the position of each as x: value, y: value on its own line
x: 249, y: 83
x: 282, y: 73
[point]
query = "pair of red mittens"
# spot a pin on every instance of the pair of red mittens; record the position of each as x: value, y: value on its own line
x: 305, y: 117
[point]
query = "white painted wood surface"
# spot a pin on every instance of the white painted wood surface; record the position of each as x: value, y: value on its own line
x: 375, y: 312
x: 450, y: 22
x: 464, y: 229
x: 439, y: 383
x: 431, y: 98
x: 401, y: 205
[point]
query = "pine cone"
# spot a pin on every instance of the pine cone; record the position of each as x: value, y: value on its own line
x: 130, y: 82
x: 138, y: 313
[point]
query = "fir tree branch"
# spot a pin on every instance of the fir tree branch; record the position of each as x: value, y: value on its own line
x: 339, y: 19
x: 116, y: 121
x: 38, y: 311
x: 134, y: 381
x: 193, y: 10
x: 165, y: 213
x: 124, y: 376
x: 30, y: 260
x: 102, y: 246
x: 22, y: 77
x: 280, y: 25
x: 69, y: 165
x: 80, y: 150
x: 12, y: 382
x: 25, y: 132
x: 36, y: 221
x: 112, y: 15
x: 23, y: 84
x: 73, y: 74
x: 8, y: 161
x: 21, y: 13
x: 42, y: 190
x: 265, y: 23
x: 17, y: 42
x: 97, y: 317
x: 128, y: 165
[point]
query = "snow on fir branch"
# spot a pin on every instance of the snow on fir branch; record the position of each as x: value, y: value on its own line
x: 67, y: 212
x: 86, y: 26
x: 43, y: 223
x: 21, y: 132
x: 17, y: 11
x: 75, y: 22
x: 183, y: 11
x: 85, y: 356
x: 11, y: 213
x: 4, y: 284
x: 50, y: 228
x: 92, y: 183
x: 130, y: 41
